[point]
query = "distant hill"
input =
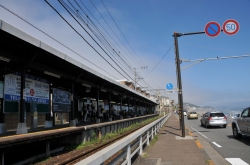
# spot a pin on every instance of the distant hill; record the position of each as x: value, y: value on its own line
x: 196, y: 106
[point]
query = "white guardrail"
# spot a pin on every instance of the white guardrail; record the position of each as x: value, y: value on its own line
x: 127, y: 147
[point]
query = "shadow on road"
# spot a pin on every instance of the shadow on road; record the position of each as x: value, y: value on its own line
x: 244, y: 139
x: 173, y: 128
x: 169, y: 132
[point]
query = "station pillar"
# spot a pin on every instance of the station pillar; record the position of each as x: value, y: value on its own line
x: 21, y: 127
x: 72, y: 122
x: 121, y: 110
x: 109, y: 100
x: 3, y: 128
x: 97, y: 107
x: 48, y: 122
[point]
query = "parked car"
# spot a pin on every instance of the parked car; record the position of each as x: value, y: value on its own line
x: 214, y: 119
x: 241, y: 124
x: 192, y: 115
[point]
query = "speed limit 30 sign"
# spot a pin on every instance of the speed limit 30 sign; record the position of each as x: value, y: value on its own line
x: 231, y: 27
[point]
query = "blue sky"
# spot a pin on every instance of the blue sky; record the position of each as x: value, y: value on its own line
x: 148, y: 26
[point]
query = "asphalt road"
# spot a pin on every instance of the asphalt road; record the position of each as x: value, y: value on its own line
x: 235, y: 151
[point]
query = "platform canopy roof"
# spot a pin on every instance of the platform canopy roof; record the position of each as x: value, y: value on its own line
x: 19, y: 50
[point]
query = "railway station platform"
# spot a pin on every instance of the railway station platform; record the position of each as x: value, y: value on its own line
x: 173, y: 149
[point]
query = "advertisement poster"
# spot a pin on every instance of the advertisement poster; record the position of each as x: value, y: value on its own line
x: 1, y: 89
x: 36, y: 89
x: 61, y: 101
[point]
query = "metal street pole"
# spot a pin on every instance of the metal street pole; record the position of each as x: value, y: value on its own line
x: 178, y: 71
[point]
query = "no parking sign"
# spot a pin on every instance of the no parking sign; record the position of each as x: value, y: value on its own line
x: 212, y: 29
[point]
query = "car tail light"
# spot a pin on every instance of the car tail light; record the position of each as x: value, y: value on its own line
x: 225, y: 117
x: 210, y: 118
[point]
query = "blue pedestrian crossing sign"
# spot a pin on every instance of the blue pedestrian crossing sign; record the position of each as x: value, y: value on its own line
x: 169, y: 86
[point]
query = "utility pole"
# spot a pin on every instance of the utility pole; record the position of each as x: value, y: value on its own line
x: 178, y: 72
x: 179, y: 84
x: 137, y: 77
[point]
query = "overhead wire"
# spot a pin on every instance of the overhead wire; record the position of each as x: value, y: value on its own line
x: 75, y: 9
x: 106, y: 32
x: 109, y: 26
x: 83, y: 37
x: 121, y: 33
x: 51, y: 37
x: 67, y: 8
x: 97, y: 33
x: 113, y: 48
x: 160, y: 60
x: 112, y: 29
x: 120, y: 30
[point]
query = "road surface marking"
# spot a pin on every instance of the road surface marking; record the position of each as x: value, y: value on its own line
x: 198, y: 144
x: 216, y: 144
x: 236, y: 161
x: 200, y: 133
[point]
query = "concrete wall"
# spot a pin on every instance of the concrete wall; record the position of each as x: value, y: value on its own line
x: 11, y: 119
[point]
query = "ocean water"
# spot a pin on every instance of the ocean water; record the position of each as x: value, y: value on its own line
x: 228, y: 111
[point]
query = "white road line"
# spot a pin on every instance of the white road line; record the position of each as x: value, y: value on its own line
x: 200, y: 133
x: 216, y: 144
x: 236, y: 161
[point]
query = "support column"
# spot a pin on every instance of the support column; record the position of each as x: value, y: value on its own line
x: 3, y: 128
x: 48, y: 123
x: 128, y: 105
x: 109, y: 100
x: 135, y: 106
x: 139, y: 112
x: 97, y: 107
x: 72, y: 122
x: 21, y: 127
x: 76, y: 109
x: 121, y: 112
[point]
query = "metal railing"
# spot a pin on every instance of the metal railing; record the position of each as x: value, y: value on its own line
x: 123, y: 150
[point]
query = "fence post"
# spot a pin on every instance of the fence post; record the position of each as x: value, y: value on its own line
x: 47, y: 149
x: 140, y: 145
x: 128, y: 155
x: 148, y: 137
x: 152, y: 132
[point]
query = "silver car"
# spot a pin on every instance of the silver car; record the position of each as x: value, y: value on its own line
x: 214, y: 119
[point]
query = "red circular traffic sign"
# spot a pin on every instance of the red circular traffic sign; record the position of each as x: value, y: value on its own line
x: 231, y: 27
x: 212, y: 29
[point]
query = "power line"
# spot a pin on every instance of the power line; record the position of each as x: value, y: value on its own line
x: 106, y: 32
x: 82, y: 36
x: 160, y: 60
x: 119, y: 29
x: 50, y: 37
x: 98, y: 34
x: 67, y: 8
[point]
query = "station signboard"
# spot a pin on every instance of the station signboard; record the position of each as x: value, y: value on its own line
x: 36, y: 89
x: 61, y: 100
